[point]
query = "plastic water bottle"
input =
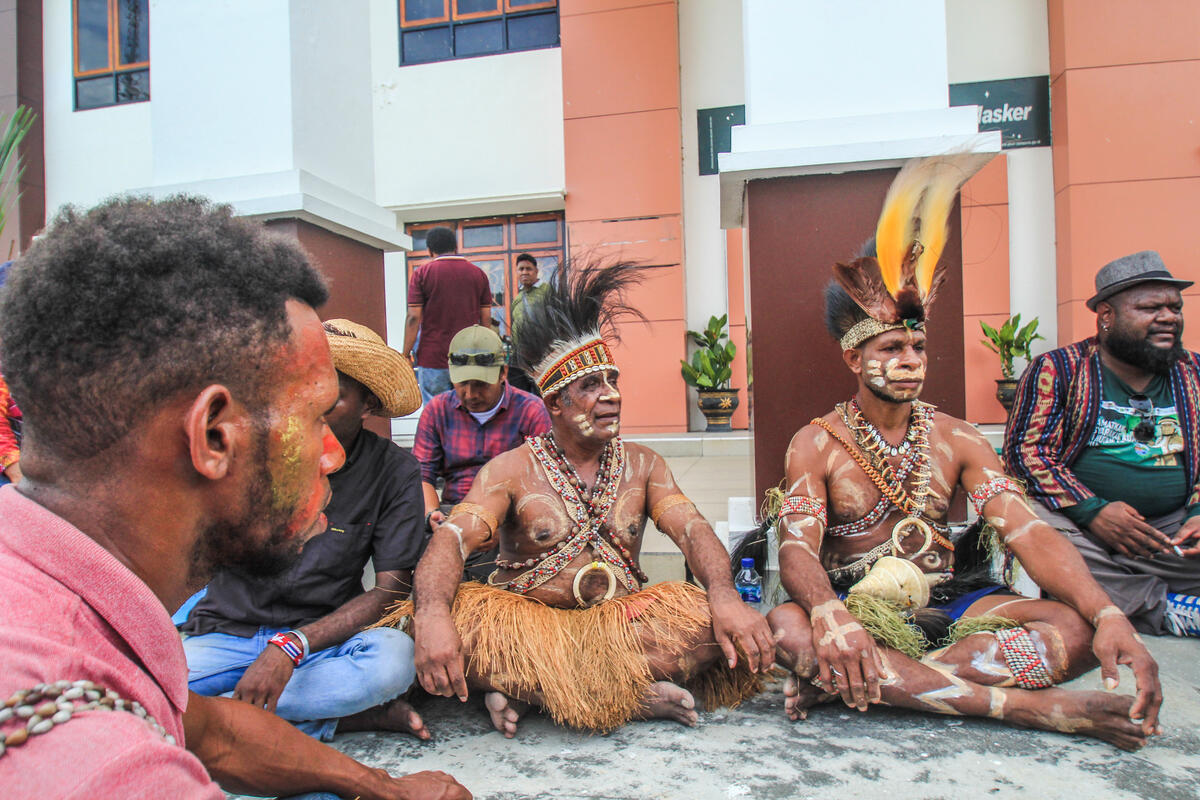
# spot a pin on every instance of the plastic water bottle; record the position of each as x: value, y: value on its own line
x: 749, y: 584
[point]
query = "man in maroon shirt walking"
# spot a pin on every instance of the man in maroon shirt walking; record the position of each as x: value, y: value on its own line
x: 445, y: 295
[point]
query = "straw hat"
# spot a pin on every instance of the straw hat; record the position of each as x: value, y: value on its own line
x: 360, y: 353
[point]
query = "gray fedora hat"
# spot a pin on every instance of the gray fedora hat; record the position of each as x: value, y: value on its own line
x: 1144, y: 267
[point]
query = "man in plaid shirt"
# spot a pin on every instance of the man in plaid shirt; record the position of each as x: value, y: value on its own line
x: 480, y: 418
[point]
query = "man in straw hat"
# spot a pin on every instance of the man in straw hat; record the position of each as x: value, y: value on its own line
x: 864, y: 544
x: 294, y: 644
x: 175, y: 379
x: 565, y: 621
x: 1105, y: 433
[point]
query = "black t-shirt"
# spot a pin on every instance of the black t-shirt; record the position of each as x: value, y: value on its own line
x: 376, y: 511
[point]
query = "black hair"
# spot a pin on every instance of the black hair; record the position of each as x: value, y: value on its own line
x: 841, y: 312
x: 581, y: 298
x: 527, y: 257
x: 123, y: 306
x: 441, y: 240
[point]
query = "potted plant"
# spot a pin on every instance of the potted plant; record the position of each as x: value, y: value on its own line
x: 11, y: 166
x: 1010, y: 341
x: 710, y: 372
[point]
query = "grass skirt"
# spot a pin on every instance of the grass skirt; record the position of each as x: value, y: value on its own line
x: 587, y: 666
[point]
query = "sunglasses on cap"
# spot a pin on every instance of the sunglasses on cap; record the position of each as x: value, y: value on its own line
x: 1147, y: 429
x: 478, y: 359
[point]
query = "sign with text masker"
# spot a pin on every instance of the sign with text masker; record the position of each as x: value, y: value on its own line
x: 1018, y: 107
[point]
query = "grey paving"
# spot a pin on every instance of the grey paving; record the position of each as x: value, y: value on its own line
x: 754, y: 752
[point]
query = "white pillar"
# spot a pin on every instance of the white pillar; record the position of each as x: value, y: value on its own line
x: 1032, y: 270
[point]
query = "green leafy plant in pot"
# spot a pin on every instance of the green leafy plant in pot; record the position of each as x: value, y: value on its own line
x: 12, y: 131
x: 1010, y: 341
x: 710, y: 372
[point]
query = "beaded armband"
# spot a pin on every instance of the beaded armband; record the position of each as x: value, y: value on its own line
x: 480, y: 513
x: 798, y: 504
x: 664, y: 505
x: 1023, y: 659
x: 985, y: 491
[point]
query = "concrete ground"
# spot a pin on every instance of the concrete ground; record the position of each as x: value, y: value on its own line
x: 754, y: 752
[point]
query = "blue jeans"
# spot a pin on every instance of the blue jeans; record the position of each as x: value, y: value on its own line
x: 433, y: 381
x: 368, y: 669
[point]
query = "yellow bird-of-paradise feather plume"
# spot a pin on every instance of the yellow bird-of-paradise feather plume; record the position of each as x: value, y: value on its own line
x: 913, y: 225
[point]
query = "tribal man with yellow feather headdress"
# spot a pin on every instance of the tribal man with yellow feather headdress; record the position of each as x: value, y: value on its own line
x: 565, y: 622
x: 865, y: 552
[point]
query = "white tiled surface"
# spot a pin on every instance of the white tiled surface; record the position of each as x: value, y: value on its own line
x: 709, y: 481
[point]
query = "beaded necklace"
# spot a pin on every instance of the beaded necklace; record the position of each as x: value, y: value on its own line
x: 868, y: 454
x: 48, y: 705
x: 851, y: 413
x: 865, y: 523
x: 870, y: 442
x: 587, y: 510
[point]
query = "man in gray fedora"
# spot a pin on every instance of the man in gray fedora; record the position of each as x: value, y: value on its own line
x: 1106, y: 436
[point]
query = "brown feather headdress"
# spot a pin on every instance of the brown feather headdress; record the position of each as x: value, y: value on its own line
x: 897, y: 285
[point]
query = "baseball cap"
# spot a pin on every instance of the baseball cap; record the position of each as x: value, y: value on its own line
x: 476, y: 354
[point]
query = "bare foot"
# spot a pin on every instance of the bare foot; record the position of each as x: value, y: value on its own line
x: 505, y: 711
x: 396, y: 715
x: 665, y: 700
x: 1099, y: 714
x: 800, y: 695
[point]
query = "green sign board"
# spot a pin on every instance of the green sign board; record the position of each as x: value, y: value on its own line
x: 1018, y: 107
x: 715, y: 129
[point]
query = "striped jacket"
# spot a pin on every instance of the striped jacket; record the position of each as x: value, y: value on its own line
x: 1055, y: 411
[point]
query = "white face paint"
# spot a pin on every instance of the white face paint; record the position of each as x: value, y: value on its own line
x: 611, y: 395
x: 584, y: 424
x: 894, y: 372
x: 874, y: 373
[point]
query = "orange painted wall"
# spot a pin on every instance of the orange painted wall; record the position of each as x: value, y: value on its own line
x: 1124, y: 105
x: 623, y: 145
x: 985, y: 283
x: 737, y: 325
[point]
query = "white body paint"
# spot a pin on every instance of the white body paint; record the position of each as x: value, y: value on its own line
x: 585, y: 425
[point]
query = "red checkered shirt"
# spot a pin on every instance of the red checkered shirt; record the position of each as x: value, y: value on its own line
x: 452, y: 445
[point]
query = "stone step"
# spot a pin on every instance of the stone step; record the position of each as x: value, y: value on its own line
x: 697, y: 443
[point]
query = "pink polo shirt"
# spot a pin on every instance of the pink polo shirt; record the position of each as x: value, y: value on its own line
x: 70, y: 611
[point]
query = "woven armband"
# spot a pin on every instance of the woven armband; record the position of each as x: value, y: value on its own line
x: 664, y: 505
x: 480, y: 513
x: 1023, y: 659
x: 985, y: 491
x: 798, y: 504
x: 293, y: 651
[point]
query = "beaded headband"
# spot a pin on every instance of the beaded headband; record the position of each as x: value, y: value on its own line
x: 592, y: 355
x: 870, y: 327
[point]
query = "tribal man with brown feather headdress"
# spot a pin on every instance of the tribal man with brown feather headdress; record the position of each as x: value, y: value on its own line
x: 565, y: 622
x: 865, y: 552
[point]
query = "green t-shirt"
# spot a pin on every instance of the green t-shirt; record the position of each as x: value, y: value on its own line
x: 1147, y: 475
